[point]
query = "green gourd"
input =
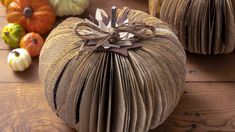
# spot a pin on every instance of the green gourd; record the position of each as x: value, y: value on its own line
x: 12, y: 34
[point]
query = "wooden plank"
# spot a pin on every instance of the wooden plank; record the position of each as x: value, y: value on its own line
x: 2, y: 10
x: 3, y: 22
x: 24, y: 109
x: 210, y: 68
x: 134, y: 4
x: 203, y: 107
x: 8, y: 76
x: 107, y: 4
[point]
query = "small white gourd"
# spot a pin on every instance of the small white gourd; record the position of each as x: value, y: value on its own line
x: 19, y: 59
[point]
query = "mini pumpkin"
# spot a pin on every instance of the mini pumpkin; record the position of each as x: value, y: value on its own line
x: 12, y: 33
x: 6, y: 3
x: 33, y: 43
x: 69, y: 7
x: 19, y: 59
x: 34, y: 15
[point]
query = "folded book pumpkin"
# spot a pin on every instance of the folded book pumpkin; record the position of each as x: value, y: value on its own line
x: 155, y: 7
x: 204, y: 26
x: 106, y: 89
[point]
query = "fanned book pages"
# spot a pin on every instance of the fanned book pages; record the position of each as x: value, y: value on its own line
x: 155, y: 7
x: 203, y: 26
x: 123, y: 78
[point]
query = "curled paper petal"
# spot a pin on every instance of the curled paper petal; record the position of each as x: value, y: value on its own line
x: 117, y: 37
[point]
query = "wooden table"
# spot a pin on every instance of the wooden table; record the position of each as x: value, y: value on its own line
x: 208, y: 102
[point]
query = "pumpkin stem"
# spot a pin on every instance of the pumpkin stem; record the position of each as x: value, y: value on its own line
x: 17, y: 54
x: 35, y: 41
x: 113, y: 25
x: 113, y: 17
x: 7, y: 34
x: 28, y: 12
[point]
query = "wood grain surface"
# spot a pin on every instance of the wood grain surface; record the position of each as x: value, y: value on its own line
x: 24, y: 109
x: 207, y: 104
x: 2, y: 10
x: 202, y: 68
x: 107, y: 4
x: 8, y: 76
x: 204, y: 107
x: 3, y: 22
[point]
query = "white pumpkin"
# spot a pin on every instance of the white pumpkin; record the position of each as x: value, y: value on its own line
x: 69, y: 7
x: 19, y: 59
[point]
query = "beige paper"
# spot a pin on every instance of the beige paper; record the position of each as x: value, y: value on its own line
x: 203, y: 26
x: 106, y: 91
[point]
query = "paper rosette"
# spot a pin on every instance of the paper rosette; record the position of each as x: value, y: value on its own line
x: 106, y: 91
x: 204, y: 26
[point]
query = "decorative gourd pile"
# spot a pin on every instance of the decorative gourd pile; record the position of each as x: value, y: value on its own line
x: 34, y: 17
x: 108, y: 91
x: 204, y: 26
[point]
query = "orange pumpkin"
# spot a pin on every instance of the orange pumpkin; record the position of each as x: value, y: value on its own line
x: 33, y: 43
x: 34, y: 15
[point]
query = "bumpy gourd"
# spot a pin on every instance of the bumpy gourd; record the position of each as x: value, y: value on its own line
x: 12, y: 34
x: 69, y: 7
x: 19, y: 59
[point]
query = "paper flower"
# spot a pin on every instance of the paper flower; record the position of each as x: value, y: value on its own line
x: 102, y: 20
